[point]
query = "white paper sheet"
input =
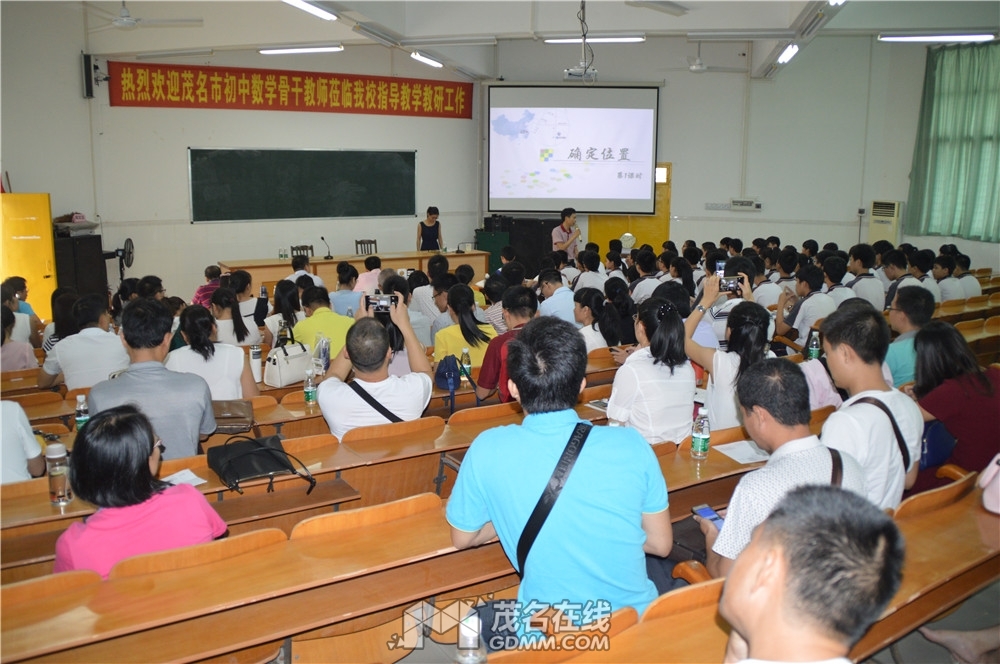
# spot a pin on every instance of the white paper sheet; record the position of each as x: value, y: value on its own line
x: 185, y: 477
x: 742, y: 451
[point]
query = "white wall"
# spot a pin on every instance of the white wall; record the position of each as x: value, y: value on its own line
x: 832, y: 132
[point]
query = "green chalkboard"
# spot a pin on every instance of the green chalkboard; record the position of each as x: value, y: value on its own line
x: 241, y: 185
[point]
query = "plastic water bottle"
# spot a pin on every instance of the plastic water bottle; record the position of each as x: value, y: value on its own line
x: 700, y: 434
x: 310, y: 388
x: 323, y: 350
x: 82, y: 411
x: 471, y: 649
x: 813, y: 347
x: 255, y: 358
x: 57, y: 465
x: 466, y: 362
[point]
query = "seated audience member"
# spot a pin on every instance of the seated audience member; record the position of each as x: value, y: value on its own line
x: 494, y: 289
x: 921, y: 264
x: 809, y: 249
x: 303, y: 283
x: 252, y: 307
x: 663, y: 266
x: 953, y: 389
x: 719, y: 308
x: 616, y: 291
x: 970, y: 284
x: 595, y: 249
x: 320, y: 318
x: 747, y: 335
x: 653, y: 390
x: 514, y: 273
x: 613, y: 266
x: 681, y: 271
x: 674, y: 293
x: 598, y: 318
x: 151, y: 286
x: 865, y: 284
x: 465, y: 331
x: 592, y: 543
x: 224, y: 367
x: 345, y: 300
x: 558, y: 300
x: 287, y: 308
x: 759, y: 245
x: 176, y: 306
x: 519, y: 307
x: 203, y: 294
x: 23, y: 329
x: 774, y: 403
x: 834, y: 269
x: 126, y: 293
x: 367, y: 352
x: 507, y: 254
x: 765, y: 292
x: 811, y: 307
x: 590, y: 275
x: 442, y: 319
x: 881, y: 248
x: 19, y: 286
x: 951, y: 287
x: 910, y: 311
x: 92, y: 354
x: 894, y: 267
x: 560, y: 261
x: 788, y: 263
x: 384, y: 274
x: 399, y: 365
x: 778, y: 597
x: 642, y: 287
x: 735, y: 247
x: 63, y: 323
x: 15, y: 355
x: 773, y: 242
x: 368, y: 282
x: 178, y: 405
x: 114, y: 464
x: 231, y: 325
x: 465, y: 274
x: 21, y: 457
x: 855, y: 340
x: 300, y: 267
x: 423, y: 295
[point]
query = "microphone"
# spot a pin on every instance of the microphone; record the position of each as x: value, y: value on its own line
x: 328, y: 254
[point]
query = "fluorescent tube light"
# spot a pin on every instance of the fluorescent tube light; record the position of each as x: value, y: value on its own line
x: 312, y: 9
x: 625, y: 39
x: 174, y: 54
x: 289, y: 50
x: 739, y: 35
x: 945, y: 39
x: 424, y: 59
x: 836, y: 3
x: 375, y: 36
x: 788, y: 54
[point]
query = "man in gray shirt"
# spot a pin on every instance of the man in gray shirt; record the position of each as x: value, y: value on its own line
x: 178, y: 405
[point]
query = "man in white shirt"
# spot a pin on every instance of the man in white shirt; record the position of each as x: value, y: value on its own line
x: 566, y: 234
x: 834, y: 269
x: 779, y: 598
x: 951, y: 288
x: 423, y: 296
x: 300, y: 265
x: 590, y: 277
x: 813, y: 306
x: 895, y: 269
x: 856, y: 340
x: 89, y: 356
x: 20, y: 453
x: 865, y: 284
x: 643, y: 287
x: 367, y: 352
x: 968, y: 280
x: 773, y: 397
x: 765, y: 291
x: 922, y: 264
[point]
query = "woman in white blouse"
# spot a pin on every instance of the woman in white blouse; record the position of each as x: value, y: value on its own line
x: 653, y: 390
x: 232, y: 327
x: 286, y: 308
x: 225, y: 368
x: 601, y: 325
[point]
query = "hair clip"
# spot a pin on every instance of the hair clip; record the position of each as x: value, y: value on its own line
x: 665, y: 308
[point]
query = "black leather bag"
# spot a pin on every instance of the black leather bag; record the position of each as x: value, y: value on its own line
x: 242, y: 458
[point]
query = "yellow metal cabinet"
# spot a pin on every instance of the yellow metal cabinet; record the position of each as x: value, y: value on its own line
x: 28, y: 247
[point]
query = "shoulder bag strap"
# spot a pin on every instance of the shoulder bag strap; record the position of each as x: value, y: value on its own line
x: 837, y: 474
x: 895, y: 428
x: 385, y: 412
x: 551, y: 493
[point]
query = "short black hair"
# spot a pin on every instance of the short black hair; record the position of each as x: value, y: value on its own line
x: 590, y: 260
x: 615, y: 245
x: 646, y: 261
x: 17, y: 284
x: 788, y: 260
x: 963, y: 261
x: 443, y: 282
x: 299, y: 262
x: 87, y: 310
x: 549, y: 276
x: 507, y: 252
x: 779, y: 387
x: 738, y: 264
x: 810, y: 247
x: 831, y: 246
x: 861, y: 328
x: 835, y: 267
x: 514, y: 272
x: 436, y: 264
x: 917, y: 304
x: 566, y: 213
x: 547, y: 362
x: 465, y: 273
x: 145, y: 322
x: 692, y: 255
x: 947, y: 262
x: 736, y: 245
x: 812, y: 275
x: 109, y: 466
x: 432, y: 210
x: 827, y: 533
x: 520, y: 301
x: 213, y: 272
x: 676, y: 294
x: 894, y: 257
x: 346, y: 272
x: 416, y: 279
x: 494, y: 289
x: 367, y: 345
x: 397, y: 284
x: 315, y: 296
x: 923, y: 260
x: 304, y: 281
x: 373, y: 263
x: 865, y: 254
x: 882, y: 246
x: 149, y: 286
x: 774, y: 239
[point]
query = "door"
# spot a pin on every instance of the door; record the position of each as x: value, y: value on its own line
x: 28, y: 249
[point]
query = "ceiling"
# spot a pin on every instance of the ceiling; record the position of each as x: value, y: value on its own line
x: 459, y: 31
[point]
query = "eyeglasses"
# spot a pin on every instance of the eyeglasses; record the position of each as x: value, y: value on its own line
x: 158, y: 445
x: 635, y: 318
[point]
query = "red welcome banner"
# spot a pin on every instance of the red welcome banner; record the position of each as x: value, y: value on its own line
x: 185, y: 86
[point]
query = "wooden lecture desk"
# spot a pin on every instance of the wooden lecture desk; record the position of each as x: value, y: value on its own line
x: 951, y: 553
x: 270, y: 269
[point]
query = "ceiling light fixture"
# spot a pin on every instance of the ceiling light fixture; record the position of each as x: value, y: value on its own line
x: 419, y: 57
x: 174, y: 54
x: 623, y: 39
x: 319, y: 12
x: 788, y: 54
x: 672, y: 8
x: 290, y: 50
x: 944, y: 39
x: 836, y: 3
x: 375, y: 36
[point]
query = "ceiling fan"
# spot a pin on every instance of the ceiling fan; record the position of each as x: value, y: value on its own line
x: 696, y: 65
x: 125, y: 21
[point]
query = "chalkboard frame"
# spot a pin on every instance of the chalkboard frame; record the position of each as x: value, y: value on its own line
x: 404, y: 203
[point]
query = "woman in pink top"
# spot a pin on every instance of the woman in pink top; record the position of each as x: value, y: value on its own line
x: 113, y: 465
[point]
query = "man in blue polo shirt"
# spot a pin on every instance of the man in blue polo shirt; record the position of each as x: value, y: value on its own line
x: 611, y: 511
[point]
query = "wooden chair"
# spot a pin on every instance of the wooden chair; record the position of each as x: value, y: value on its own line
x: 296, y: 398
x: 365, y: 247
x: 782, y: 339
x: 934, y: 499
x: 362, y: 517
x: 705, y: 592
x: 35, y: 398
x: 818, y: 417
x: 618, y: 622
x: 198, y: 554
x: 263, y: 401
x: 302, y: 250
x: 691, y: 571
x: 407, y: 429
x: 491, y: 412
x: 596, y: 392
x: 966, y: 327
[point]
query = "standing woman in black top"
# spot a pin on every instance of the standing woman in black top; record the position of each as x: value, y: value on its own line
x: 429, y: 236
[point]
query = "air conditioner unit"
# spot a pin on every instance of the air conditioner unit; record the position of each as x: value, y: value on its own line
x: 883, y: 222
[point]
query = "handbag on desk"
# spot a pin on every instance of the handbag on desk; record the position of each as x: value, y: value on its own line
x: 448, y: 376
x: 232, y: 416
x: 287, y: 364
x: 243, y: 458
